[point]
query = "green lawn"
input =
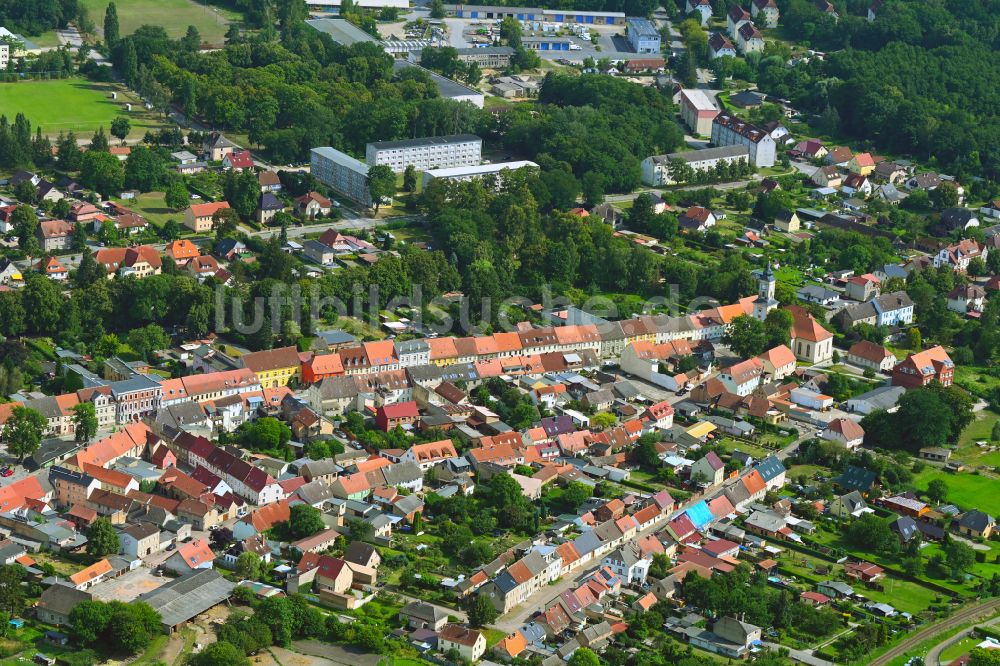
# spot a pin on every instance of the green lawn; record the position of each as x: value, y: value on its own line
x: 68, y: 104
x: 46, y: 39
x: 152, y: 206
x: 965, y: 490
x: 173, y: 15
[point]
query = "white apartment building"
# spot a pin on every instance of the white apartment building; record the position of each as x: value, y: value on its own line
x: 656, y: 168
x: 433, y: 152
x: 473, y: 172
x: 4, y: 55
x: 728, y: 130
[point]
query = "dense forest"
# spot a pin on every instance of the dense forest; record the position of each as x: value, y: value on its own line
x: 32, y: 17
x: 921, y: 79
x: 293, y: 89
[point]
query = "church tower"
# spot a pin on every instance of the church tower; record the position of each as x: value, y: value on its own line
x: 765, y: 301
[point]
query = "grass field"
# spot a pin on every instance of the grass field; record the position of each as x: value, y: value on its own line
x: 173, y: 15
x: 67, y: 104
x: 152, y: 207
x: 965, y: 490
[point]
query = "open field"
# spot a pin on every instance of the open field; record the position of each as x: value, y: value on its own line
x: 966, y: 490
x: 68, y: 104
x: 173, y: 15
x: 152, y: 206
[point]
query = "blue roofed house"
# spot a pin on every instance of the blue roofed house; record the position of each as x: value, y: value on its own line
x: 700, y: 515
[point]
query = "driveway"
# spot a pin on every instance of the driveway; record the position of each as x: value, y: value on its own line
x: 333, y: 654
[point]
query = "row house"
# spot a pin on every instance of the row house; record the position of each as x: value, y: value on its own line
x: 135, y: 398
x: 274, y: 367
x: 521, y: 579
x: 71, y: 487
x: 209, y: 386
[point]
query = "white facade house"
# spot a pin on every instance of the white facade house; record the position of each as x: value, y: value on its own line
x: 436, y: 152
x: 893, y: 309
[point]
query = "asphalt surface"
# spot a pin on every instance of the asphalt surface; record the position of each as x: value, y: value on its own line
x: 968, y: 613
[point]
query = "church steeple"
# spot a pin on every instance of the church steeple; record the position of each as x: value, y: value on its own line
x: 765, y: 293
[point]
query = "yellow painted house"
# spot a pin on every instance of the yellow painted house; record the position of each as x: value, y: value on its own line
x: 862, y: 164
x: 274, y: 367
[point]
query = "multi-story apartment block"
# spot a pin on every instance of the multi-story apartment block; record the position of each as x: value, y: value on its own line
x: 728, y: 130
x: 656, y: 168
x: 4, y: 55
x: 342, y: 173
x: 433, y: 152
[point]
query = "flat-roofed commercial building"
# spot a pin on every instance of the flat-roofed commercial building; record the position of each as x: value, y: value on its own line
x: 493, y: 57
x: 342, y: 173
x: 642, y: 35
x: 433, y: 152
x: 472, y: 172
x: 535, y: 14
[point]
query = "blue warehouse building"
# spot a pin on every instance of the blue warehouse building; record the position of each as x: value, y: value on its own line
x: 547, y: 43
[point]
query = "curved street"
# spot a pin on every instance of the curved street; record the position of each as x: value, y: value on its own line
x: 966, y: 614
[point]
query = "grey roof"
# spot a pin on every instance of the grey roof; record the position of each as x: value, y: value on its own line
x: 359, y: 552
x: 424, y: 373
x: 706, y: 154
x: 409, y: 504
x: 841, y: 588
x: 882, y: 397
x: 62, y: 599
x: 858, y: 312
x: 895, y: 300
x: 905, y: 526
x: 857, y: 478
x: 322, y: 467
x: 423, y: 611
x: 270, y: 202
x: 133, y: 384
x: 643, y: 28
x: 403, y: 472
x: 427, y: 140
x: 498, y: 50
x: 336, y: 337
x: 770, y: 467
x: 766, y: 521
x: 190, y: 595
x: 341, y: 31
x: 505, y: 582
x: 338, y: 387
x: 976, y: 520
x: 412, y: 346
x: 446, y: 87
x: 317, y: 247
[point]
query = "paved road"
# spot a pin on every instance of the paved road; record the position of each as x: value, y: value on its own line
x: 965, y: 614
x: 801, y: 656
x: 933, y: 657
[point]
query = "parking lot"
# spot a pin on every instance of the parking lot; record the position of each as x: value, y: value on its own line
x: 127, y: 587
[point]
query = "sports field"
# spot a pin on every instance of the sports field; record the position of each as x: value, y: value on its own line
x: 67, y: 104
x: 174, y: 15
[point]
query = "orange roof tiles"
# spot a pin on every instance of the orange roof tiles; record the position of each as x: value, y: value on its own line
x: 753, y: 482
